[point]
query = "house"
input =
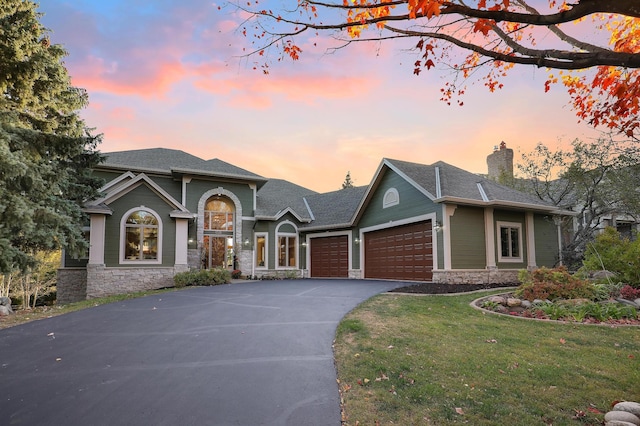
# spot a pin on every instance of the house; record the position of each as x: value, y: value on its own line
x: 165, y: 211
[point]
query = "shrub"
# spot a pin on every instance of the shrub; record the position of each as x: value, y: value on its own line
x: 202, y: 277
x: 557, y: 283
x: 606, y: 290
x: 611, y: 252
x: 630, y: 293
x: 236, y: 273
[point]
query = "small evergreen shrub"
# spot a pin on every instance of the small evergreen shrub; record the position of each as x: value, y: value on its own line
x: 202, y: 277
x: 551, y: 284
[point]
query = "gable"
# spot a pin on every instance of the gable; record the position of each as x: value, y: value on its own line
x: 126, y: 185
x: 394, y: 198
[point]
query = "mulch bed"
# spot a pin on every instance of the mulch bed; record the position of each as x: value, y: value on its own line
x: 441, y: 288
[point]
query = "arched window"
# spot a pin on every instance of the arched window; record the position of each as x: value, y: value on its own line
x: 391, y: 198
x: 287, y: 239
x: 141, y: 236
x: 218, y: 214
x: 218, y: 239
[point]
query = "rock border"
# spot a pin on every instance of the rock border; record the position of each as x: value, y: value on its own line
x: 476, y: 305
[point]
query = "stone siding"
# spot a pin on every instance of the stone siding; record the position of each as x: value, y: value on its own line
x: 103, y: 281
x: 71, y: 286
x: 278, y: 273
x: 476, y: 276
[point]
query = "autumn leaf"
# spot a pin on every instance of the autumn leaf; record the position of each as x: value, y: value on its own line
x: 460, y: 411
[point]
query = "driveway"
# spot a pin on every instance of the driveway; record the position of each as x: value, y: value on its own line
x: 255, y: 353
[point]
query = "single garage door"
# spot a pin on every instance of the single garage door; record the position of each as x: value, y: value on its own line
x: 400, y: 253
x: 330, y: 257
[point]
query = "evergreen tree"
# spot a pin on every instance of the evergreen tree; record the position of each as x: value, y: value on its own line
x: 348, y: 183
x: 46, y: 150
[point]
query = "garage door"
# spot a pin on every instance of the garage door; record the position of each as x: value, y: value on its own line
x: 399, y: 253
x: 330, y: 257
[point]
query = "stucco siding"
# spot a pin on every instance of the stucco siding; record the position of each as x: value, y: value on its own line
x: 468, y: 238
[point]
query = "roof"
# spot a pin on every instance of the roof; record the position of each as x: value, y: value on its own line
x: 173, y: 161
x: 278, y: 196
x: 335, y: 209
x: 443, y: 182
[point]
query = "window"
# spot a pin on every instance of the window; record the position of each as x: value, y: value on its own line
x: 218, y: 238
x: 510, y: 235
x: 391, y: 198
x: 218, y: 215
x: 287, y: 251
x: 261, y: 250
x: 141, y: 231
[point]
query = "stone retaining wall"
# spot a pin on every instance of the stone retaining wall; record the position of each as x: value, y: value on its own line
x: 476, y: 276
x: 103, y: 281
x: 71, y: 286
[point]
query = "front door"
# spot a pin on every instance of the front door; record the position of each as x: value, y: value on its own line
x: 215, y: 252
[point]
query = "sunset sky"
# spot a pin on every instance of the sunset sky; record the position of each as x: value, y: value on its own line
x: 170, y: 73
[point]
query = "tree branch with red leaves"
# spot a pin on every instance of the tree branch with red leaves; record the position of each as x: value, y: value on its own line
x: 493, y: 34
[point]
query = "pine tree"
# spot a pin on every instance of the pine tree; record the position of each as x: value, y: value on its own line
x: 348, y: 183
x: 46, y: 150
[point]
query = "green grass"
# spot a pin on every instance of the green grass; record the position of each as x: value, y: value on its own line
x: 41, y: 312
x: 435, y: 360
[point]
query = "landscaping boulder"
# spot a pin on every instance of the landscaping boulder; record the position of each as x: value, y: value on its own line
x: 628, y: 302
x: 602, y: 275
x: 5, y: 306
x: 621, y: 416
x: 512, y: 302
x: 498, y: 299
x: 628, y: 406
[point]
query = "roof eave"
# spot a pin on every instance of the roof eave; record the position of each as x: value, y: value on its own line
x: 325, y: 227
x: 177, y: 170
x: 500, y: 203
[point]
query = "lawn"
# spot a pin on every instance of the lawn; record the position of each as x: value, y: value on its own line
x: 434, y: 360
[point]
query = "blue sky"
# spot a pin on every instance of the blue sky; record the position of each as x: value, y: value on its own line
x: 172, y: 74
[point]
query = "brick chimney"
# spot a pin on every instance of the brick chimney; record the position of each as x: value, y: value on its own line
x: 500, y: 162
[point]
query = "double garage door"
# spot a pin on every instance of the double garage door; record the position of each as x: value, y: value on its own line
x: 398, y: 253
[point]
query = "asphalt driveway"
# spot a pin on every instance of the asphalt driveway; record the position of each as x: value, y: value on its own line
x: 256, y: 353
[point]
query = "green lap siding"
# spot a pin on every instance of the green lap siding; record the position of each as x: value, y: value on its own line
x: 412, y: 202
x: 546, y: 241
x: 514, y: 217
x: 468, y: 249
x: 141, y: 196
x: 196, y: 188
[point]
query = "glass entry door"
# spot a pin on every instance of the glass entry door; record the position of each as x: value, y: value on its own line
x: 216, y: 253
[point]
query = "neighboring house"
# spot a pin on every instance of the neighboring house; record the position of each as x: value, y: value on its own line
x: 165, y: 211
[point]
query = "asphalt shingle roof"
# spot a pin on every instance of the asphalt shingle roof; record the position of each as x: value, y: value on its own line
x: 461, y: 184
x: 335, y: 208
x: 277, y: 194
x: 167, y: 160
